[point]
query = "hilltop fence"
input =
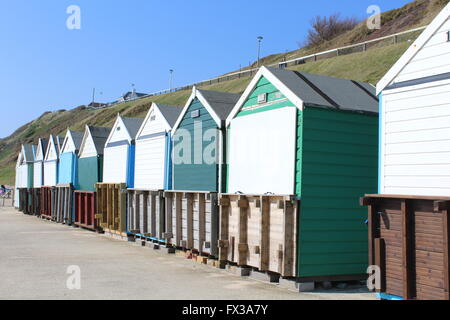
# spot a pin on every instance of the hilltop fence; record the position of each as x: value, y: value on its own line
x: 404, y: 36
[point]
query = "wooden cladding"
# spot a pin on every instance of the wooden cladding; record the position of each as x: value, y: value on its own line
x: 47, y: 202
x: 259, y: 232
x: 111, y: 207
x: 409, y: 241
x: 85, y: 203
x: 64, y: 204
x: 146, y: 213
x: 192, y: 221
x: 29, y: 201
x: 23, y: 200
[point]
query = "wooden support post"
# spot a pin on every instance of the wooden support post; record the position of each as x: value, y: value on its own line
x: 149, y: 214
x: 122, y: 198
x: 190, y: 220
x: 374, y: 232
x: 407, y: 234
x: 265, y: 233
x: 446, y: 229
x: 168, y: 232
x: 178, y: 218
x: 202, y: 221
x: 289, y: 253
x: 87, y: 205
x: 380, y: 261
x: 243, y: 231
x: 224, y: 211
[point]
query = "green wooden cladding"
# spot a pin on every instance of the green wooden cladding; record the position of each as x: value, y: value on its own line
x: 191, y: 176
x: 275, y: 99
x: 30, y: 172
x: 90, y: 171
x: 336, y: 164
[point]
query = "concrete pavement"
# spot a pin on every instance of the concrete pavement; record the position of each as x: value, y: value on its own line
x: 35, y: 255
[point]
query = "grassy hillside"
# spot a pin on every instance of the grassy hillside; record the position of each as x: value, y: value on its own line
x: 368, y: 66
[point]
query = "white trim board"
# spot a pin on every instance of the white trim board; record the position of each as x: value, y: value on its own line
x: 412, y: 51
x: 265, y: 72
x: 197, y: 94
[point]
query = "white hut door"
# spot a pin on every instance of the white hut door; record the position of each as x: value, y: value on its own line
x: 115, y: 164
x: 150, y: 163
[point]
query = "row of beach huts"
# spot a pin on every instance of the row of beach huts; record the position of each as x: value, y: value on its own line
x: 277, y: 179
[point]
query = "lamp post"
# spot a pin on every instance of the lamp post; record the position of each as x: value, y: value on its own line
x: 171, y: 79
x: 260, y: 39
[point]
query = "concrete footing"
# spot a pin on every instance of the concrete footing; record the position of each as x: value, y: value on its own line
x: 263, y: 276
x: 293, y: 285
x: 152, y: 245
x: 167, y: 250
x: 238, y: 271
x: 139, y: 243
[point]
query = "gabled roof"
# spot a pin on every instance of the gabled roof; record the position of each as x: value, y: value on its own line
x: 137, y: 94
x: 76, y: 137
x: 170, y: 113
x: 221, y: 102
x: 99, y: 135
x: 218, y: 104
x: 56, y: 142
x: 420, y: 42
x: 311, y: 90
x: 28, y: 153
x: 59, y: 142
x: 42, y: 143
x: 132, y: 126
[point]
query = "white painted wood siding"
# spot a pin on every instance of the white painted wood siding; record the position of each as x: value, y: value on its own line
x: 415, y: 140
x: 154, y: 124
x: 68, y: 145
x: 150, y: 163
x: 115, y: 164
x: 119, y: 132
x: 39, y: 153
x: 37, y: 174
x: 262, y: 152
x: 16, y: 187
x: 52, y: 152
x: 23, y: 176
x: 50, y: 173
x: 432, y: 59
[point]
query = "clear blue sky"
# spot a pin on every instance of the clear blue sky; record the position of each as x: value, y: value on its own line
x: 44, y: 66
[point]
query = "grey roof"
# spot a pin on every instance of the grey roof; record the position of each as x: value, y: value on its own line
x: 28, y: 150
x: 44, y: 143
x: 77, y: 138
x: 221, y: 102
x: 133, y: 125
x: 59, y: 142
x: 99, y: 135
x: 170, y: 113
x: 324, y: 91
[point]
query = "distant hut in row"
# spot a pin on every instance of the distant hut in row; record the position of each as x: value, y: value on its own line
x: 90, y: 159
x: 119, y: 152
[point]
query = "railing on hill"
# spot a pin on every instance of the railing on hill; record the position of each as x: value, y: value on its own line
x: 355, y: 48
